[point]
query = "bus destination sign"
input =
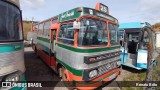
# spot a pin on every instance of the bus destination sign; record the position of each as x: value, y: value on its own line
x: 101, y: 7
x: 100, y: 14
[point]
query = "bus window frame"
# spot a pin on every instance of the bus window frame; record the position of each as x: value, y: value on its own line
x: 54, y: 19
x: 57, y: 35
x: 109, y: 22
x: 42, y: 29
x: 20, y: 11
x: 48, y: 21
x: 96, y: 18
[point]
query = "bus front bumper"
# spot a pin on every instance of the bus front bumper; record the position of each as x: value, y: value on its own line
x: 98, y: 81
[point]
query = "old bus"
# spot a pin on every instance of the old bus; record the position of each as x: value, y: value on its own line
x: 134, y: 40
x: 11, y: 44
x: 81, y: 45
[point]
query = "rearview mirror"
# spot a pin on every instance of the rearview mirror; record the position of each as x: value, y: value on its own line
x: 76, y: 25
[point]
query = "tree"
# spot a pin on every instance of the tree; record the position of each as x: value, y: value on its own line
x: 156, y: 26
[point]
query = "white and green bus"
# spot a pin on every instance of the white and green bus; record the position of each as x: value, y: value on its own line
x: 11, y: 44
x: 80, y: 45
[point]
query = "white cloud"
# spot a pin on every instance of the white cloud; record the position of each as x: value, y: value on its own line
x: 32, y: 4
x: 149, y: 10
x: 151, y: 6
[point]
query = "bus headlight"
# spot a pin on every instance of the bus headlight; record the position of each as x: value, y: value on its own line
x: 93, y: 73
x: 12, y: 77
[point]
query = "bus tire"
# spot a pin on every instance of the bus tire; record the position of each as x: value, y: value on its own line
x: 65, y: 80
x: 59, y: 72
x: 36, y: 52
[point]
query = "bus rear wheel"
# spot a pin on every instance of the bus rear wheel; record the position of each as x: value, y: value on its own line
x: 36, y: 52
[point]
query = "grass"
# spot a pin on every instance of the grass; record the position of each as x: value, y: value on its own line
x: 136, y: 77
x: 141, y: 76
x: 156, y: 73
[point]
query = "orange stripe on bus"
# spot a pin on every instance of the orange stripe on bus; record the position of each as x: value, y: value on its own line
x: 76, y: 38
x: 109, y: 39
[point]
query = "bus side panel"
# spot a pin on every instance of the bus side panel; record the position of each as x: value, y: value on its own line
x: 43, y: 49
x: 44, y: 56
x: 53, y: 61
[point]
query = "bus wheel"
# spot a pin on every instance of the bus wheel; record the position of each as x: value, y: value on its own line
x: 36, y: 52
x: 60, y: 72
x: 65, y: 78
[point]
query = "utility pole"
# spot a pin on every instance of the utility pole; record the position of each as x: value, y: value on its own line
x: 32, y: 24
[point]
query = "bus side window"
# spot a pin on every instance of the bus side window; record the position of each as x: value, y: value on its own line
x: 47, y: 28
x: 66, y: 34
x: 40, y: 29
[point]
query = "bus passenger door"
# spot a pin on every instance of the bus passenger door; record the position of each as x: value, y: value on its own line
x: 53, y: 39
x: 52, y: 47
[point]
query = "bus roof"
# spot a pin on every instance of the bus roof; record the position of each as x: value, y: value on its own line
x: 133, y: 25
x: 15, y: 2
x: 79, y: 11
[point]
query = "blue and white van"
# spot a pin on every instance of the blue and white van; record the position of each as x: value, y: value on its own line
x: 134, y: 40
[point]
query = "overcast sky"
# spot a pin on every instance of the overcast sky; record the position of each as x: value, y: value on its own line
x: 123, y: 10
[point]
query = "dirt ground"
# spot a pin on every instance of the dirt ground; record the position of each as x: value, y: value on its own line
x: 37, y: 70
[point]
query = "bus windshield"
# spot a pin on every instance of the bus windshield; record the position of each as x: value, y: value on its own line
x: 10, y: 22
x: 92, y: 33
